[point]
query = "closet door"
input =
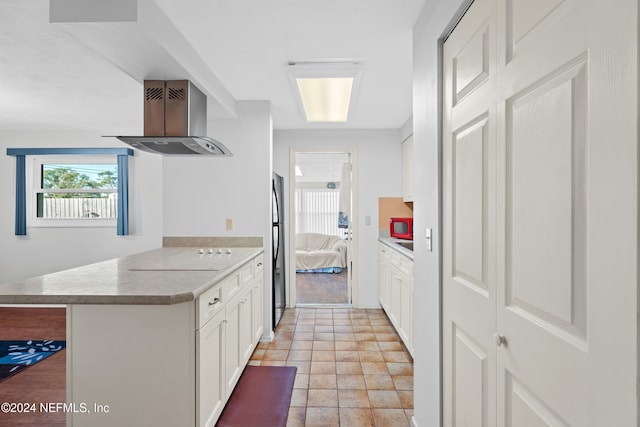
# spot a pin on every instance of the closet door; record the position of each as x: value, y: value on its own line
x: 469, y: 277
x: 540, y: 246
x: 566, y: 212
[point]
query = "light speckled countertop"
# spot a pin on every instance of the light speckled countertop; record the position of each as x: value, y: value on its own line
x: 158, y: 277
x: 393, y: 243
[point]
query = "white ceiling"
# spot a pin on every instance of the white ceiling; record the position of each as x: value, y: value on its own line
x: 52, y: 76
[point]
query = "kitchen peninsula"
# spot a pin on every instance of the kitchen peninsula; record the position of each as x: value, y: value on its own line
x: 158, y: 338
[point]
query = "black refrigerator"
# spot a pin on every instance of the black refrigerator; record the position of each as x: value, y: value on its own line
x: 277, y: 241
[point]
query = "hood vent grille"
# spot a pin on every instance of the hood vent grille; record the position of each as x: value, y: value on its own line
x: 175, y: 115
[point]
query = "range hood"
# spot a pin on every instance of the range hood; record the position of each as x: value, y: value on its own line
x: 175, y: 114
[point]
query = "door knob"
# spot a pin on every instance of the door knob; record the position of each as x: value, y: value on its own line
x: 500, y: 339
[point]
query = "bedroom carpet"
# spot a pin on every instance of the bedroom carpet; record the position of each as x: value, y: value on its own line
x: 322, y: 288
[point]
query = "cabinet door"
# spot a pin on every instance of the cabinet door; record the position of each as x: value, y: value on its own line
x: 384, y: 278
x: 406, y: 311
x: 233, y: 367
x: 257, y: 299
x: 396, y: 286
x: 211, y: 391
x: 245, y: 331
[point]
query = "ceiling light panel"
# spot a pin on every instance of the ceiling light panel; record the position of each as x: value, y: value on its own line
x: 325, y: 91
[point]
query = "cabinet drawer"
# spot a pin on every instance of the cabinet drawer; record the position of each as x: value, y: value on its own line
x: 259, y: 263
x: 406, y: 266
x: 209, y: 304
x: 247, y: 272
x: 231, y: 286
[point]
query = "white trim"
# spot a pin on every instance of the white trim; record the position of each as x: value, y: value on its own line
x: 354, y: 270
x: 33, y: 168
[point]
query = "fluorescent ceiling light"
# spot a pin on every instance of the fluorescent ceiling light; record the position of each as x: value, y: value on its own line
x: 325, y: 91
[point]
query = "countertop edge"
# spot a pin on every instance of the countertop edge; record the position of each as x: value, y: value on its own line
x: 390, y: 242
x: 149, y: 299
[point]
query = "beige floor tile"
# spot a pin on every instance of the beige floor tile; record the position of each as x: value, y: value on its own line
x: 321, y: 329
x: 299, y: 397
x: 383, y: 329
x: 348, y: 368
x: 301, y: 345
x: 323, y: 367
x: 322, y: 417
x: 323, y: 356
x: 325, y: 398
x: 299, y: 354
x: 272, y: 363
x: 353, y: 399
x: 347, y: 356
x: 351, y: 382
x: 255, y: 362
x: 305, y: 328
x: 384, y: 399
x: 375, y: 368
x: 362, y: 328
x: 343, y: 329
x: 400, y: 368
x: 356, y: 417
x: 323, y: 381
x: 258, y: 354
x: 371, y: 356
x: 302, y: 381
x: 275, y: 355
x: 346, y: 345
x: 386, y: 337
x: 368, y: 346
x: 344, y: 336
x: 379, y: 382
x: 390, y: 346
x: 324, y: 322
x: 324, y: 345
x: 403, y: 382
x: 406, y: 399
x: 303, y: 336
x: 342, y: 322
x: 395, y: 356
x: 304, y: 366
x: 365, y: 336
x: 323, y: 336
x: 296, y: 417
x: 390, y: 418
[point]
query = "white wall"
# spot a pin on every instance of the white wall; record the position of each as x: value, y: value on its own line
x: 201, y: 192
x: 434, y: 19
x: 45, y: 250
x: 379, y: 175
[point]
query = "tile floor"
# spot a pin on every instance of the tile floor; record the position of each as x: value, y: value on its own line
x: 352, y: 368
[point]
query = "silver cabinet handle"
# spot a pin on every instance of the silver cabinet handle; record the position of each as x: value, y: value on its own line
x: 214, y: 302
x: 500, y: 339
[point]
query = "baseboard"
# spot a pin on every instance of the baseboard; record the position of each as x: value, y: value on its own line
x: 413, y: 422
x: 268, y: 338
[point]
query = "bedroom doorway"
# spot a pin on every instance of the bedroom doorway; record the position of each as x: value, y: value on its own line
x: 322, y: 229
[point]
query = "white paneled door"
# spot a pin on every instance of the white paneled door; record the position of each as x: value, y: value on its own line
x: 540, y: 214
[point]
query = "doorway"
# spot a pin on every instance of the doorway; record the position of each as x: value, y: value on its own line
x: 322, y: 227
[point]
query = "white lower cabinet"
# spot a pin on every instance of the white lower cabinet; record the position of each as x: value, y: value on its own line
x: 396, y: 291
x: 226, y: 342
x: 211, y: 387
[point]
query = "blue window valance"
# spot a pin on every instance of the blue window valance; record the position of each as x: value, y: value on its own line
x: 21, y: 177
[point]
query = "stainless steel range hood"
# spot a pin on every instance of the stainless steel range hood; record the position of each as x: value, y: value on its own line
x: 175, y: 117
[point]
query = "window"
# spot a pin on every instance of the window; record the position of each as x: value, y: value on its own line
x: 73, y: 191
x: 72, y: 187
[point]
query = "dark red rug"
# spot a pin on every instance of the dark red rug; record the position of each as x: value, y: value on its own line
x: 261, y: 398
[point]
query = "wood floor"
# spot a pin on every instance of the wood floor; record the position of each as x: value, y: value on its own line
x: 44, y: 382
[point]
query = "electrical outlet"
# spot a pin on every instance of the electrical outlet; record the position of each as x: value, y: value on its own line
x: 229, y: 222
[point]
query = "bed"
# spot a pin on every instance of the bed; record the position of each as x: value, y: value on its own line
x: 320, y: 253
